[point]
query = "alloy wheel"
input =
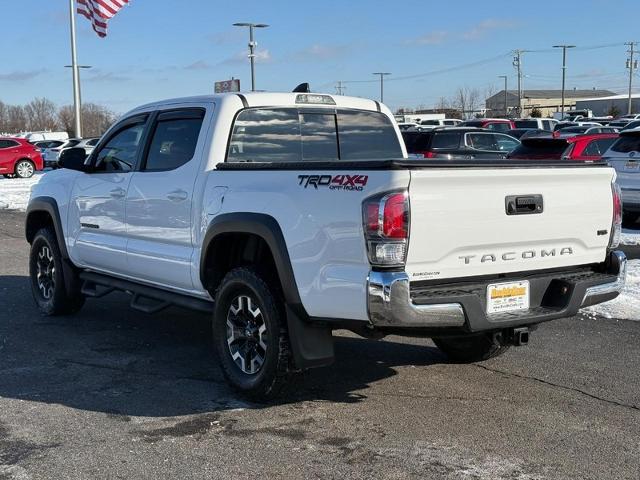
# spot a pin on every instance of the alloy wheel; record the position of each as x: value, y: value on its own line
x: 24, y: 169
x: 247, y: 337
x: 46, y: 272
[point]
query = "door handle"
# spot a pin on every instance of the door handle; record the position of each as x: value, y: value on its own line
x: 177, y: 195
x: 118, y: 193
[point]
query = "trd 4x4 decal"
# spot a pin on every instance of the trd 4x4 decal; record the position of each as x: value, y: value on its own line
x: 336, y: 182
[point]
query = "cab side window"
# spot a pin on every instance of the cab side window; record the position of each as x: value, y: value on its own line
x: 120, y: 152
x: 174, y: 140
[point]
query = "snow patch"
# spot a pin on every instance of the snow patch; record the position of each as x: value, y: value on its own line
x: 627, y: 305
x: 14, y: 192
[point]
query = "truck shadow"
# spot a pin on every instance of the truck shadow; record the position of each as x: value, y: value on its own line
x: 111, y: 359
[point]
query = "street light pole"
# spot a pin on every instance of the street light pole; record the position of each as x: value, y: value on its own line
x: 564, y: 70
x: 252, y: 47
x: 506, y: 113
x: 382, y: 75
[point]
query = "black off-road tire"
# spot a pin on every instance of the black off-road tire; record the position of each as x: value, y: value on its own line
x: 50, y: 293
x: 472, y: 348
x: 277, y: 369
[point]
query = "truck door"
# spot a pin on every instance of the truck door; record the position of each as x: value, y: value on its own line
x: 159, y: 200
x: 96, y: 211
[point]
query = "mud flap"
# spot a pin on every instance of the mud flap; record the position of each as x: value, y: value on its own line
x: 311, y: 345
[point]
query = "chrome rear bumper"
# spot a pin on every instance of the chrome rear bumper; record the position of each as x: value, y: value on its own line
x: 392, y: 303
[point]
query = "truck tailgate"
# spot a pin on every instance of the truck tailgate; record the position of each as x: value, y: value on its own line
x: 460, y: 226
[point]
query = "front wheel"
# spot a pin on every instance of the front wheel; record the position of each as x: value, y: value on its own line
x: 24, y: 169
x: 472, y: 348
x: 250, y: 336
x: 47, y: 278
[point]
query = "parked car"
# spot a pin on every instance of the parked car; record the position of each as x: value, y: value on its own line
x: 631, y: 125
x: 51, y: 155
x: 536, y: 123
x: 588, y: 148
x: 286, y: 216
x: 520, y: 133
x: 44, y: 144
x: 441, y: 122
x: 406, y: 125
x: 584, y: 130
x: 633, y: 116
x: 19, y: 158
x: 620, y: 124
x: 497, y: 124
x: 458, y: 143
x: 624, y: 156
x: 40, y: 136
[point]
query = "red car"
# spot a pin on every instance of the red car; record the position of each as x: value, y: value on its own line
x: 588, y: 148
x: 496, y: 124
x: 18, y: 158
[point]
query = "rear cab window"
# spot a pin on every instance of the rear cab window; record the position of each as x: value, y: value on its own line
x: 291, y: 134
x: 526, y: 123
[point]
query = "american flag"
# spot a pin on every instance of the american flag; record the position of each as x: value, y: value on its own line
x: 99, y: 12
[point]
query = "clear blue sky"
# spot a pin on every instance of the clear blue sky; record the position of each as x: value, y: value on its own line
x: 166, y: 48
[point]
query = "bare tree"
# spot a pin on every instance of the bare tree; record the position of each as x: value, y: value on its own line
x: 16, y: 119
x: 41, y: 114
x: 96, y: 119
x: 3, y: 118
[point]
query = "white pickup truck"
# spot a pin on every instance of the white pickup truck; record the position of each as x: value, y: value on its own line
x: 290, y: 215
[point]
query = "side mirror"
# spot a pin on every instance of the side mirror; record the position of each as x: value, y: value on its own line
x: 73, y: 159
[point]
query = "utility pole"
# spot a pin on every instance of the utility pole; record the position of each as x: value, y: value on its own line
x: 564, y: 70
x: 252, y: 46
x: 340, y: 88
x: 77, y: 102
x: 506, y: 111
x: 382, y: 75
x: 517, y: 62
x: 631, y: 65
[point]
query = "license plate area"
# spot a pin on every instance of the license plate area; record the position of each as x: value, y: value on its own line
x: 631, y: 165
x: 507, y: 297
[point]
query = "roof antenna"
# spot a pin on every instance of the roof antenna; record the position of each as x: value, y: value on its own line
x: 302, y: 88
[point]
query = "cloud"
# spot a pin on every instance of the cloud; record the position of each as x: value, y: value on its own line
x: 98, y: 76
x: 262, y: 56
x: 320, y: 52
x: 20, y: 75
x: 199, y: 65
x: 484, y: 27
x: 432, y: 38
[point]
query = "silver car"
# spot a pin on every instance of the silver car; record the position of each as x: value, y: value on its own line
x: 624, y: 156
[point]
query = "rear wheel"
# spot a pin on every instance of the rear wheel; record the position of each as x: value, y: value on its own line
x: 472, y: 348
x: 25, y: 169
x: 47, y: 278
x: 250, y: 336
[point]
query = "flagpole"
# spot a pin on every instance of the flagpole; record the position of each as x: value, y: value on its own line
x: 76, y: 71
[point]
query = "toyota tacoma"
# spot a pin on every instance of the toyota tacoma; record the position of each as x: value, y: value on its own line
x: 287, y: 216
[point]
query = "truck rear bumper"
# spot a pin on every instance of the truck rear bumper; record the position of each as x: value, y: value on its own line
x: 394, y: 302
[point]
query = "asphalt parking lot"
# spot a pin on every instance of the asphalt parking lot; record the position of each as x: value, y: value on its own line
x: 113, y: 393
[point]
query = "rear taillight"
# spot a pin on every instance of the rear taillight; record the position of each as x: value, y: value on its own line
x: 428, y: 154
x: 616, y: 224
x: 386, y: 227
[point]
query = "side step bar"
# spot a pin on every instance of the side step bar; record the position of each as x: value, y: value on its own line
x: 145, y: 299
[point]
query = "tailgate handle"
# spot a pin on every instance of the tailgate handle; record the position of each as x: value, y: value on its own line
x: 523, y: 204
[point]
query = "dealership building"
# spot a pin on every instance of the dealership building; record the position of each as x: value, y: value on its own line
x: 546, y: 101
x: 601, y: 106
